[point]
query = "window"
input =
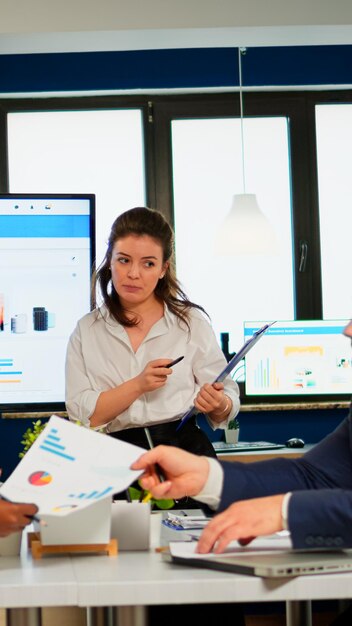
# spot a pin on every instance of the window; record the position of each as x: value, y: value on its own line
x: 207, y: 171
x: 185, y: 160
x: 334, y: 140
x: 93, y: 151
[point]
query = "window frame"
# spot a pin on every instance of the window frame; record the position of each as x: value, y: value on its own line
x: 158, y: 111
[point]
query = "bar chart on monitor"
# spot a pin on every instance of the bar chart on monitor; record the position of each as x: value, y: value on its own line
x: 299, y: 357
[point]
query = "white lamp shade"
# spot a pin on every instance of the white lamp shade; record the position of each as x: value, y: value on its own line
x: 245, y: 229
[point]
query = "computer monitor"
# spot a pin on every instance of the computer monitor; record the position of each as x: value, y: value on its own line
x: 299, y: 360
x: 46, y: 257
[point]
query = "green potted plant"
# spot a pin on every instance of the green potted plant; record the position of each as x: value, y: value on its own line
x: 232, y: 431
x: 31, y: 434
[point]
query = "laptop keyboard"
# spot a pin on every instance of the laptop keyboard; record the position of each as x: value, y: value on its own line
x: 246, y: 446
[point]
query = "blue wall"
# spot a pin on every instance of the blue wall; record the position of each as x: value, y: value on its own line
x: 11, y: 433
x: 175, y: 68
x: 278, y: 426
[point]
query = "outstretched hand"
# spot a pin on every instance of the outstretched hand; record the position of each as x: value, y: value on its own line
x: 185, y: 474
x: 243, y: 521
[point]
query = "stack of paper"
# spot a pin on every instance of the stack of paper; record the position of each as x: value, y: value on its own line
x: 185, y: 522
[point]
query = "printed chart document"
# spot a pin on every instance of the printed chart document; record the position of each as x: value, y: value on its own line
x: 70, y: 467
x: 271, y: 543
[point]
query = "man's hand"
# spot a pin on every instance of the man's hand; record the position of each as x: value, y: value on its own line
x: 14, y: 517
x: 243, y: 521
x: 185, y: 473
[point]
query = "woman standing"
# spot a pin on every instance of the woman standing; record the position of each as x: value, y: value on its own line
x: 117, y: 373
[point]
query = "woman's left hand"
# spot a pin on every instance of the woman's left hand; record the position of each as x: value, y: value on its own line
x: 211, y: 398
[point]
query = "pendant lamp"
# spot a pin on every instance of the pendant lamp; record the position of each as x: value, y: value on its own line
x: 245, y: 230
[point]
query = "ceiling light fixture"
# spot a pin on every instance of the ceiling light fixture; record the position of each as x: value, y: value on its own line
x: 245, y: 230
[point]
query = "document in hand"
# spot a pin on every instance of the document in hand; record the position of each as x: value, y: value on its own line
x: 231, y: 365
x: 69, y: 467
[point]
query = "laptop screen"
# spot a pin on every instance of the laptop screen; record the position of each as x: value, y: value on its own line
x: 299, y: 359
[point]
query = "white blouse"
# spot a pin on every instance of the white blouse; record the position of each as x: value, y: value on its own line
x: 100, y: 357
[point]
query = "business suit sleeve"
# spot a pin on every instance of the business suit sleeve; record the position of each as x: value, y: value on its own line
x: 320, y: 508
x: 321, y: 519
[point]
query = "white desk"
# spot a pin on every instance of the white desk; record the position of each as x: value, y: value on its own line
x: 26, y: 584
x: 133, y: 580
x: 137, y: 580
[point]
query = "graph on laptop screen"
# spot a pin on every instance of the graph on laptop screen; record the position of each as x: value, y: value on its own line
x: 299, y: 360
x: 46, y: 257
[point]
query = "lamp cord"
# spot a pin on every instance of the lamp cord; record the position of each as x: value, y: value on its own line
x: 240, y: 52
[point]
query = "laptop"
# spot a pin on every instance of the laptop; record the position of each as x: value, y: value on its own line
x: 276, y: 564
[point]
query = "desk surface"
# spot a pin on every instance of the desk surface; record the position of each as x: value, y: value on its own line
x: 143, y: 578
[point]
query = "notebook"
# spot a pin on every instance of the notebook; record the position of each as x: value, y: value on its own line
x: 270, y: 564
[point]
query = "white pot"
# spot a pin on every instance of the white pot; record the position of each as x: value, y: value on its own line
x: 11, y: 545
x: 231, y: 435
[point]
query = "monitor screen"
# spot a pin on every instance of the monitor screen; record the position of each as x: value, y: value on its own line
x: 299, y: 360
x: 46, y: 258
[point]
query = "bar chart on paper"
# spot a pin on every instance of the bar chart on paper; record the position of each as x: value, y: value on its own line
x: 52, y: 444
x: 93, y: 495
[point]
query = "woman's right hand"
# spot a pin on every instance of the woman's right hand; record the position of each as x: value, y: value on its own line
x: 154, y: 375
x: 114, y: 401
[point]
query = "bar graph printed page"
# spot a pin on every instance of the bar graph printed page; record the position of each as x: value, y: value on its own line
x: 69, y: 467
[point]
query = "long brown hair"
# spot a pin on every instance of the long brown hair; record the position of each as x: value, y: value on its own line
x: 144, y: 221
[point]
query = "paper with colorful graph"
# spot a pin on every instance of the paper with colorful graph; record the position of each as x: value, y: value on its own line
x: 69, y: 467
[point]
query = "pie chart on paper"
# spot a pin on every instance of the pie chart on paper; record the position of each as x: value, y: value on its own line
x: 39, y: 479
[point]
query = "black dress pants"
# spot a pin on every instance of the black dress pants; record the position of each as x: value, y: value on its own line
x: 189, y: 437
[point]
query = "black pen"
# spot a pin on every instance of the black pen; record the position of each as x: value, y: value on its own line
x: 174, y: 362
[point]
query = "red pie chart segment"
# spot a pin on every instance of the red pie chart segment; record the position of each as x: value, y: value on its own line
x: 39, y: 479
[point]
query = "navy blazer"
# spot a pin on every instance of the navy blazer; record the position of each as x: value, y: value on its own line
x: 320, y: 508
